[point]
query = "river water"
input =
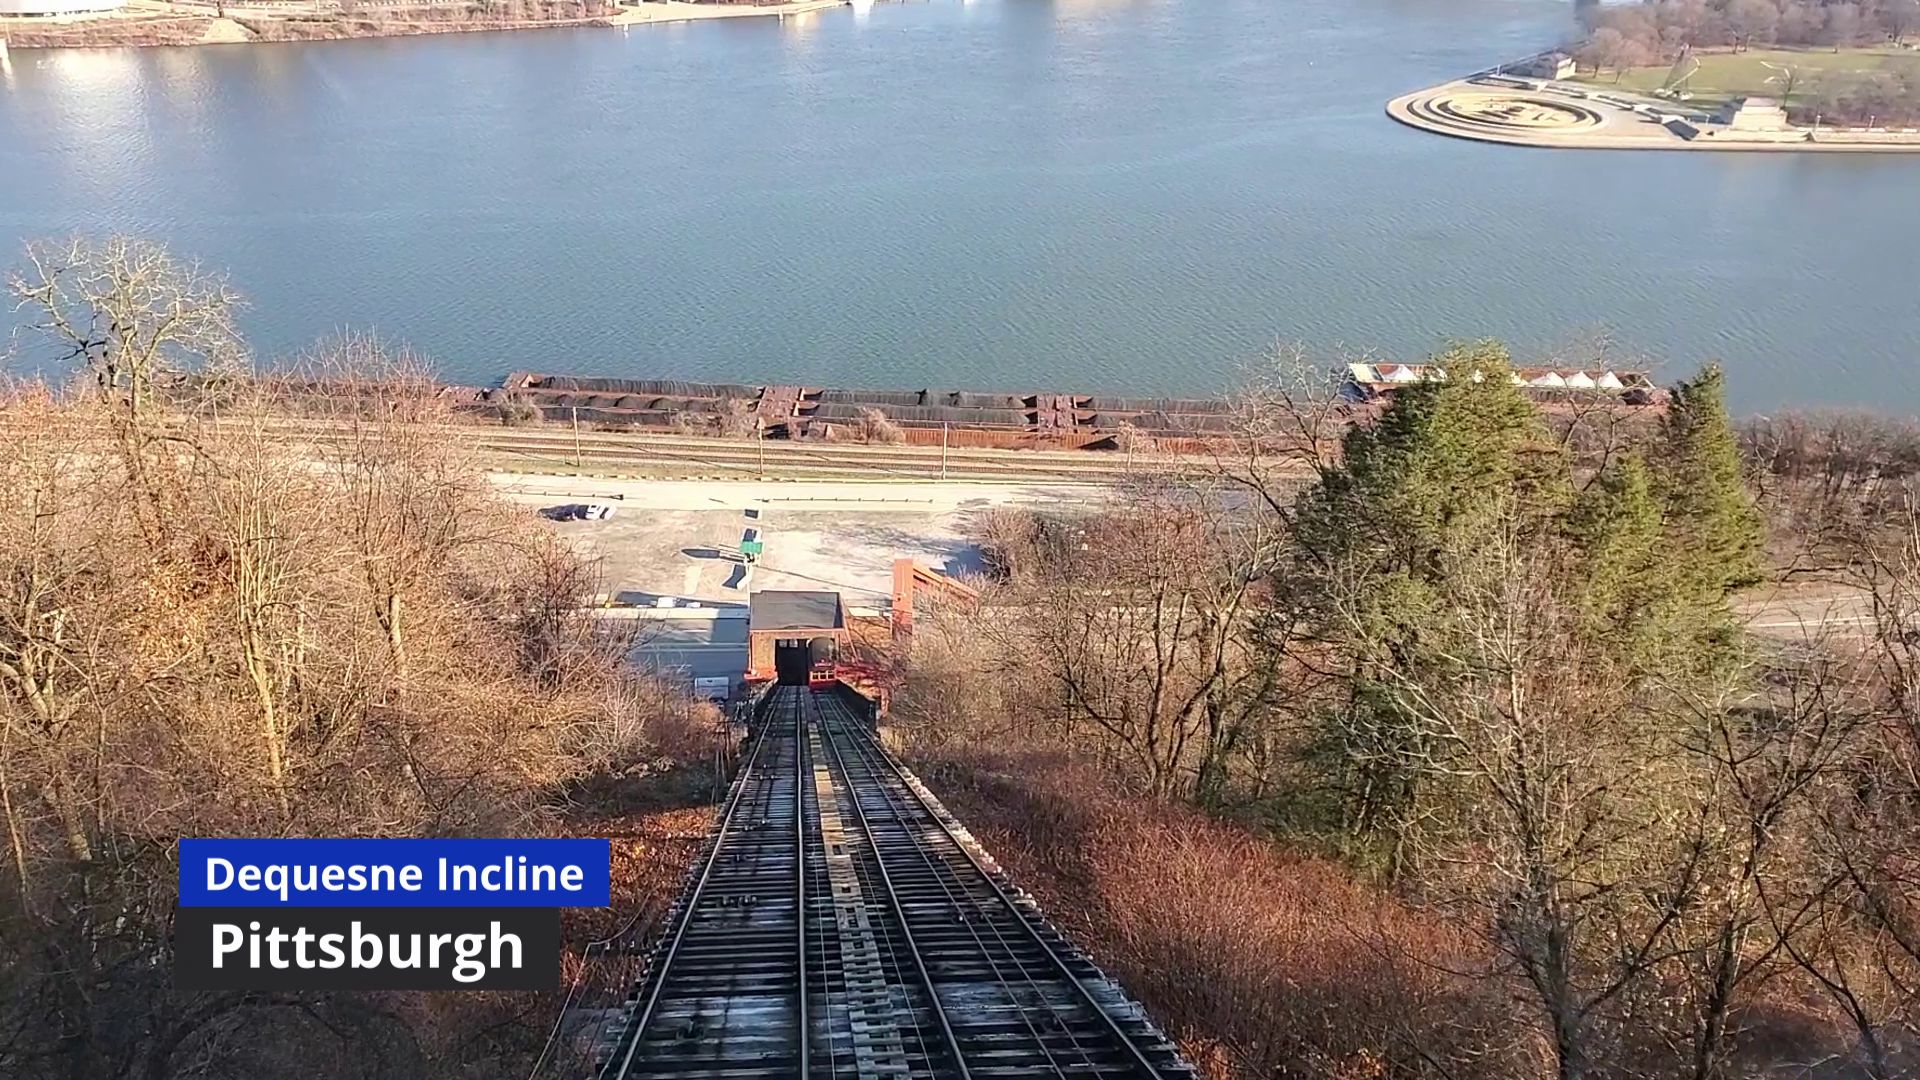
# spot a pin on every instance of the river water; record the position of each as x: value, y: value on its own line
x: 1119, y: 195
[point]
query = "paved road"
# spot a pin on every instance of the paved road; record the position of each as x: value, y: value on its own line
x: 679, y: 540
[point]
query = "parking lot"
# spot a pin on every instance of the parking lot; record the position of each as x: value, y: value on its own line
x: 674, y: 547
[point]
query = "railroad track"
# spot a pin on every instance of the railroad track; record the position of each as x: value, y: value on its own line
x: 803, y: 461
x: 725, y: 983
x: 840, y: 923
x: 667, y: 456
x: 664, y: 456
x: 671, y: 456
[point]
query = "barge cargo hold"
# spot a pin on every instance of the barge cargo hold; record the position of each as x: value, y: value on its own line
x: 964, y: 418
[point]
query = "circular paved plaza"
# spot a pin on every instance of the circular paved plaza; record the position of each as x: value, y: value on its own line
x: 1519, y: 113
x: 1512, y: 111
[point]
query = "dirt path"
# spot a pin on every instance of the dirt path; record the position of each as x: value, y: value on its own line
x: 226, y: 32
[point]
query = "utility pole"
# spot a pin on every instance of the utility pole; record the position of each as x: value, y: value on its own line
x: 760, y: 444
x: 945, y: 427
x: 577, y: 464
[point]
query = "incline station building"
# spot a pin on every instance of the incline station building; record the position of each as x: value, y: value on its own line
x: 792, y: 634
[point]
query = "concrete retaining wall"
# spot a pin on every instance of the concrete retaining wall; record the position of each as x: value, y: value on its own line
x: 1879, y: 136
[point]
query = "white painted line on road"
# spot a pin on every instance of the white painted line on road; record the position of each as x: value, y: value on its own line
x: 680, y: 647
x: 700, y: 614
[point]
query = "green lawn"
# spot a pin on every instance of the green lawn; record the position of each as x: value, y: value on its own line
x: 1725, y: 75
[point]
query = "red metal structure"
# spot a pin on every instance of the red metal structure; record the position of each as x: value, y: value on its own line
x: 908, y: 582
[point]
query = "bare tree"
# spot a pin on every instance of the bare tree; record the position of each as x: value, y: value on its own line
x: 1767, y: 760
x: 47, y: 647
x: 409, y: 490
x: 1150, y: 655
x: 1753, y: 20
x: 1899, y: 17
x: 1842, y: 26
x: 1862, y: 939
x: 1609, y: 48
x: 235, y: 605
x: 134, y: 320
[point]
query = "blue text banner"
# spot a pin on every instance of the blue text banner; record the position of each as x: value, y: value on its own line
x: 395, y: 873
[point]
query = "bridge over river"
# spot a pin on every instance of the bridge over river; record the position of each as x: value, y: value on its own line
x: 840, y: 923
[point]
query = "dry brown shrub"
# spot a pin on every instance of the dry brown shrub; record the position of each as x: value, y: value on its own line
x: 517, y: 414
x: 876, y: 428
x: 737, y: 420
x: 1261, y: 963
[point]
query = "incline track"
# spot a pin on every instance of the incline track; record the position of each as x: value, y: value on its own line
x: 842, y: 924
x: 728, y: 980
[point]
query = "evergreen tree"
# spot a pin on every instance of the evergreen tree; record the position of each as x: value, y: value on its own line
x: 1624, y: 593
x: 1713, y: 529
x: 1409, y: 545
x: 1448, y: 458
x: 1450, y: 464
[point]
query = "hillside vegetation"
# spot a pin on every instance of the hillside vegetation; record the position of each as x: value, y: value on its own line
x: 209, y: 630
x: 1503, y: 788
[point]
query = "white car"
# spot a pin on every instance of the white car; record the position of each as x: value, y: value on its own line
x: 596, y: 512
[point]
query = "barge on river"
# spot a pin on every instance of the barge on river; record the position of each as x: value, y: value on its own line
x: 969, y: 418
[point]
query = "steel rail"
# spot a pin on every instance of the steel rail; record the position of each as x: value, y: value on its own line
x: 800, y: 771
x: 900, y: 914
x: 873, y: 743
x: 942, y: 874
x: 645, y: 1016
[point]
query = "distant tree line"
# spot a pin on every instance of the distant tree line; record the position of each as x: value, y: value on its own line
x: 1661, y: 31
x: 1667, y: 27
x: 1485, y: 654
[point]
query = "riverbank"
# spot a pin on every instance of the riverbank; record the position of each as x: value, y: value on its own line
x: 686, y: 11
x: 1558, y: 115
x: 163, y: 22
